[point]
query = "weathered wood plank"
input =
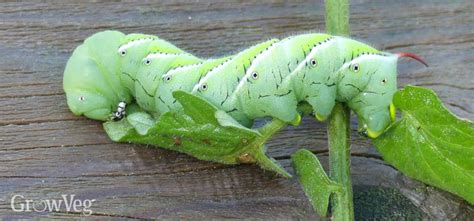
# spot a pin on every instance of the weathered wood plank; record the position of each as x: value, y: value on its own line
x: 67, y: 133
x: 45, y: 151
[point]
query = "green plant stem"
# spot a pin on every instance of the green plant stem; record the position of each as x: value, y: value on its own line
x: 271, y: 128
x: 337, y: 17
x: 339, y: 162
x: 267, y: 131
x: 337, y: 23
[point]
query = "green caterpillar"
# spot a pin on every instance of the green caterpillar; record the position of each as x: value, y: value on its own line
x: 269, y: 79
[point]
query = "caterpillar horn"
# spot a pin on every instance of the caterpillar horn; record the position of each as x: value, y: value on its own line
x: 411, y: 55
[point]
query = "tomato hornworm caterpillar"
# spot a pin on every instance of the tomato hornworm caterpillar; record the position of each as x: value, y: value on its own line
x: 269, y: 79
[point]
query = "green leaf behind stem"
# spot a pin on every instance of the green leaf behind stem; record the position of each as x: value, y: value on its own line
x: 429, y: 143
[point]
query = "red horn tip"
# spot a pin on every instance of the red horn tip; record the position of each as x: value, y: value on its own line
x: 414, y: 56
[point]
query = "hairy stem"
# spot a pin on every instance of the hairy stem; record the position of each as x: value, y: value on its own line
x: 267, y: 131
x: 337, y: 23
x: 337, y: 17
x: 271, y: 128
x: 340, y: 162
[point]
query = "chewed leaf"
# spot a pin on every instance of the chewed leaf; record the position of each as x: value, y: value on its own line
x: 314, y: 180
x: 268, y: 163
x: 141, y: 121
x: 429, y: 143
x: 226, y: 120
x: 119, y: 130
x: 201, y: 131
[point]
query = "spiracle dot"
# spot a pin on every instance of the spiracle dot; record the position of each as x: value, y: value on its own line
x: 123, y: 52
x: 147, y: 62
x: 82, y: 98
x: 355, y: 67
x: 314, y: 63
x: 203, y: 86
x: 255, y: 75
x: 167, y: 78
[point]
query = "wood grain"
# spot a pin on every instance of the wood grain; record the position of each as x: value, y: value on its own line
x: 45, y: 151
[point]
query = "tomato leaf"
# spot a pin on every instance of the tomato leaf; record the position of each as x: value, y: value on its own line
x: 314, y: 180
x: 200, y: 130
x: 429, y: 143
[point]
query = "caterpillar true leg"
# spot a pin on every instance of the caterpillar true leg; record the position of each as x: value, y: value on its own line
x: 120, y: 113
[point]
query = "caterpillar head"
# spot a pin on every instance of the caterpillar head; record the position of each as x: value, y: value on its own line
x: 90, y: 77
x: 374, y: 77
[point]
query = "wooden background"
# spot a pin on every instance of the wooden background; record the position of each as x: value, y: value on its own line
x: 45, y: 151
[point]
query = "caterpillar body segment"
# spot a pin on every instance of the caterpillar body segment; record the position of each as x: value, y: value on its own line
x: 219, y: 85
x: 272, y: 85
x: 130, y: 53
x: 372, y: 102
x: 182, y: 78
x: 134, y: 49
x: 150, y: 73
